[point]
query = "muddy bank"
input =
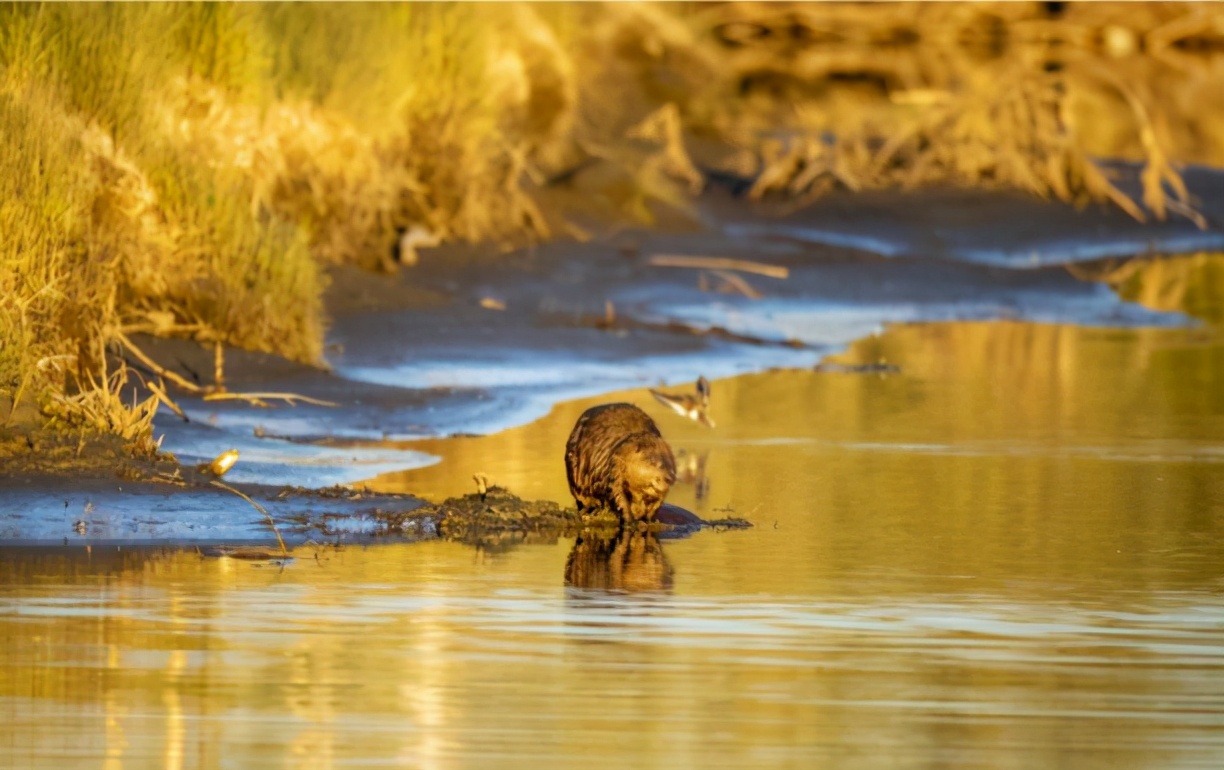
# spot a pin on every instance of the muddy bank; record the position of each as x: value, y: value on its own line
x: 182, y: 506
x: 189, y: 506
x: 472, y: 341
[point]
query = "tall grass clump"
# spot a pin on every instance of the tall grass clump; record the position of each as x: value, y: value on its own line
x: 1018, y: 96
x: 110, y: 227
x: 191, y: 169
x: 185, y: 170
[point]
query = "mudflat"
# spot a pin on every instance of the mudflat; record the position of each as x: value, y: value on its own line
x: 472, y: 341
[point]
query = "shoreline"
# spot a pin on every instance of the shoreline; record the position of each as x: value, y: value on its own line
x: 472, y: 342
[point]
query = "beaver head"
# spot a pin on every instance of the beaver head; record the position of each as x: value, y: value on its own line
x: 643, y: 471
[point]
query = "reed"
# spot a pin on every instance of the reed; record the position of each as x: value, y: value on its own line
x: 187, y: 170
x: 191, y: 169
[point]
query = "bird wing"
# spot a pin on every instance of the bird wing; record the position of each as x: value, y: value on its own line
x: 675, y: 402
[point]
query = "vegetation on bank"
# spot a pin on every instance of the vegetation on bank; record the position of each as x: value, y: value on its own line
x: 190, y: 169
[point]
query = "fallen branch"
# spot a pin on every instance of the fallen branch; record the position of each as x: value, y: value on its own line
x: 159, y: 370
x: 719, y: 263
x: 215, y: 392
x: 257, y: 398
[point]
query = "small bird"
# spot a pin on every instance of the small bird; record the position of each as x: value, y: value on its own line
x: 616, y: 458
x: 695, y: 407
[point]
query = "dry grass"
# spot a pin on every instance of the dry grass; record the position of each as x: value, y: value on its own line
x: 184, y: 170
x: 980, y: 95
x: 187, y: 170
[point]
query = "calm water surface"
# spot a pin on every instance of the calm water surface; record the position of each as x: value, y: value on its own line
x: 1008, y: 555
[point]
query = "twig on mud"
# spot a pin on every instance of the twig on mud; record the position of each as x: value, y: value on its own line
x: 258, y: 507
x: 159, y: 370
x: 215, y: 392
x: 719, y: 263
x: 1184, y: 209
x: 257, y: 398
x: 738, y: 284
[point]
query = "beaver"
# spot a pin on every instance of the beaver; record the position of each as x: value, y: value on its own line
x: 616, y: 458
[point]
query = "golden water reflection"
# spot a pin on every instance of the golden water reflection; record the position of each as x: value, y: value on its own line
x: 1007, y: 555
x: 1006, y: 450
x: 629, y: 561
x: 378, y: 657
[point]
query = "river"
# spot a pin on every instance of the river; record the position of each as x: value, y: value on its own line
x: 1003, y: 549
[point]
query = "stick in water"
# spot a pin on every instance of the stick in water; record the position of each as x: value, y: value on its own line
x: 259, y: 508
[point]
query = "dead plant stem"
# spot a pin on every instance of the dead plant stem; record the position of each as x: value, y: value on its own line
x: 719, y: 263
x: 258, y: 507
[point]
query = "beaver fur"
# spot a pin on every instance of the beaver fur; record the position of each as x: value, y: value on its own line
x: 616, y: 458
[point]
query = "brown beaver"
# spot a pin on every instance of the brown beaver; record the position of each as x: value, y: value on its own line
x: 615, y: 458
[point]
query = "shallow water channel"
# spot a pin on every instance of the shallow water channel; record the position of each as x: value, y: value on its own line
x: 1007, y: 554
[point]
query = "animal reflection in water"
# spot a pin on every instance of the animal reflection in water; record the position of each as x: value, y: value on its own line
x: 632, y: 560
x: 691, y: 469
x: 616, y: 459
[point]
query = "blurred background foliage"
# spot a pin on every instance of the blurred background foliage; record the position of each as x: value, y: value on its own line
x: 191, y: 169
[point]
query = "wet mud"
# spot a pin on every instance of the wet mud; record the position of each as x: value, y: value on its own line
x: 500, y: 517
x: 473, y: 341
x: 189, y: 506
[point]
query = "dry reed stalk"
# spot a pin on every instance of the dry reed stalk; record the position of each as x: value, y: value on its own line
x: 271, y: 522
x: 737, y: 284
x: 257, y: 398
x: 719, y: 263
x: 158, y: 369
x: 217, y: 391
x: 159, y: 390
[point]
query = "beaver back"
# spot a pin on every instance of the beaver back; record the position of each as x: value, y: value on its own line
x: 615, y: 456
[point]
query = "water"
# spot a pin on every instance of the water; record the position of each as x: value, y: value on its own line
x: 1008, y: 555
x: 414, y: 370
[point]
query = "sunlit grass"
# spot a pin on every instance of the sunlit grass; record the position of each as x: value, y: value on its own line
x: 185, y: 170
x: 978, y: 95
x: 189, y: 170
